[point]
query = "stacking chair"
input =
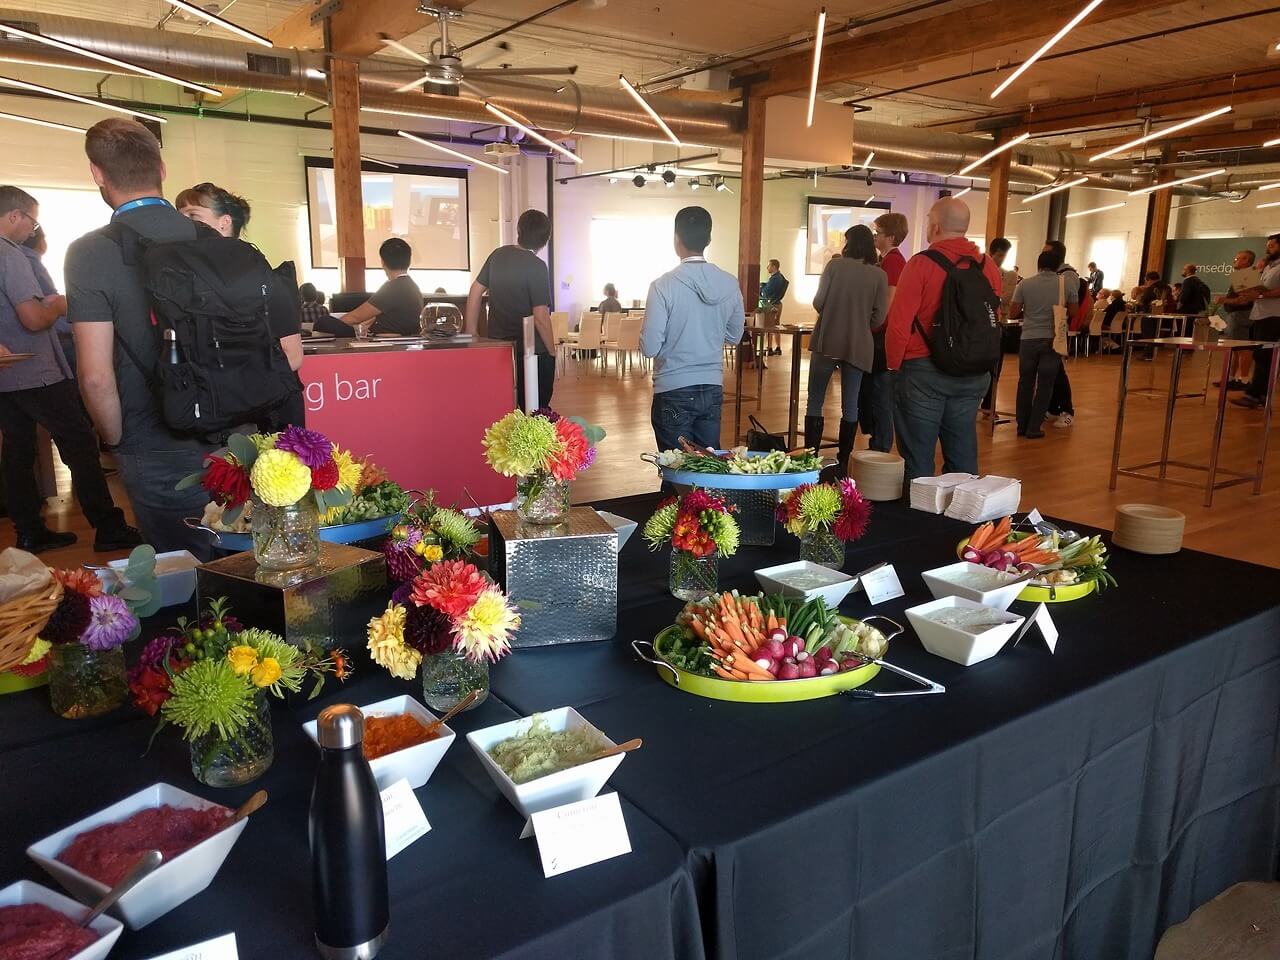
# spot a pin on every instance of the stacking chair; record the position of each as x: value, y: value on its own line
x: 628, y: 342
x: 612, y: 324
x: 590, y: 334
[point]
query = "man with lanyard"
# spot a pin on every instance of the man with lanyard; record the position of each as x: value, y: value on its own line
x: 106, y: 302
x: 1266, y: 326
x: 41, y: 390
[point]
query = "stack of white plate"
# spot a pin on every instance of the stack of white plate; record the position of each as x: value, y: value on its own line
x: 1148, y: 528
x: 878, y: 475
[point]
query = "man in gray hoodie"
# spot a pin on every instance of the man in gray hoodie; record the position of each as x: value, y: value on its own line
x: 690, y: 314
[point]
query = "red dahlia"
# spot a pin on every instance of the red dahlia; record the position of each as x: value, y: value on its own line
x: 325, y: 476
x: 226, y: 480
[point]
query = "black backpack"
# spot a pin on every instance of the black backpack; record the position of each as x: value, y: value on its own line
x: 221, y: 367
x: 966, y: 339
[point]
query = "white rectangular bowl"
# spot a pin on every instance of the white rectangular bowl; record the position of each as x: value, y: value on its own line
x: 107, y: 928
x: 961, y: 646
x: 554, y: 790
x: 999, y: 596
x: 832, y: 593
x: 172, y: 883
x: 177, y: 586
x: 416, y: 763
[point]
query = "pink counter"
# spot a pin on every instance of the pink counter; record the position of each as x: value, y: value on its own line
x: 419, y: 411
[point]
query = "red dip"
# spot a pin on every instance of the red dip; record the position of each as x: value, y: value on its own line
x: 32, y: 931
x: 108, y: 852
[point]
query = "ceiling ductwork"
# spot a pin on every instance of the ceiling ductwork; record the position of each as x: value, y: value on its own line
x: 567, y: 109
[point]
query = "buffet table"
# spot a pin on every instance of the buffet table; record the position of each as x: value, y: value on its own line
x: 1065, y: 806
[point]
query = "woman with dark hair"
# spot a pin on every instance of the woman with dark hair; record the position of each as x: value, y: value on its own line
x: 852, y: 301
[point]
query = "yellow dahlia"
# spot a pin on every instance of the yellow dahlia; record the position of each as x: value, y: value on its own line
x: 484, y: 631
x: 266, y: 673
x: 350, y: 470
x: 279, y: 478
x: 242, y: 659
x: 387, y: 646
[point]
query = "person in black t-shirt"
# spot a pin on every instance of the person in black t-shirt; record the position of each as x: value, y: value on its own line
x: 397, y: 306
x: 519, y: 286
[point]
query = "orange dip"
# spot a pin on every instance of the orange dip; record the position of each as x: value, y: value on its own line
x: 384, y: 735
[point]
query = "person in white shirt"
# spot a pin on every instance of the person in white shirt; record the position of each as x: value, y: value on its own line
x: 1266, y: 326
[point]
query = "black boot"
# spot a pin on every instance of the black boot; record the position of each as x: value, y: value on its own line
x: 848, y: 434
x: 813, y: 432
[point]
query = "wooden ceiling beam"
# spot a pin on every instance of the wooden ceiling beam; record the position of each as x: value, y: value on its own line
x: 984, y: 26
x: 357, y: 25
x: 1212, y: 137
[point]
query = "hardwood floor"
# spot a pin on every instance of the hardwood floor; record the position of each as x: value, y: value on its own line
x: 1065, y: 474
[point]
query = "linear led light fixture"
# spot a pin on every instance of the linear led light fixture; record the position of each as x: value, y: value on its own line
x: 1007, y: 145
x: 103, y: 58
x: 1269, y: 186
x: 1048, y: 45
x: 1274, y: 203
x: 644, y: 105
x: 43, y: 123
x: 817, y: 62
x: 1177, y: 183
x: 1085, y: 213
x: 512, y: 121
x: 1157, y: 134
x: 453, y: 153
x: 381, y: 163
x: 1058, y: 189
x: 866, y: 164
x: 218, y: 21
x: 50, y: 91
x: 1018, y: 213
x: 867, y: 202
x: 1273, y: 143
x: 957, y: 196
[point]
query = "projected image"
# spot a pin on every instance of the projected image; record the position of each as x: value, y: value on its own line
x: 427, y: 210
x: 827, y: 223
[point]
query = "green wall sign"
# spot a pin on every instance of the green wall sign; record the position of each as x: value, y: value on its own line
x: 1213, y: 258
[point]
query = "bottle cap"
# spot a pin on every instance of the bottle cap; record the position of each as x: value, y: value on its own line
x: 340, y: 726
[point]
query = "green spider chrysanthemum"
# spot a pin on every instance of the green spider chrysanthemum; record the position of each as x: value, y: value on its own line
x: 270, y: 645
x: 264, y: 441
x: 723, y: 529
x: 518, y: 445
x: 657, y: 529
x: 454, y: 527
x: 819, y: 506
x: 209, y: 696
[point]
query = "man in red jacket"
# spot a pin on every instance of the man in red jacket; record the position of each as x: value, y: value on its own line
x: 929, y: 404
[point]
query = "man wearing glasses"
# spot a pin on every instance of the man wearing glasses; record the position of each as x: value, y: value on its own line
x: 40, y: 390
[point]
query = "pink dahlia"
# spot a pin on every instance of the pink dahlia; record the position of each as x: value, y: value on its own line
x: 450, y: 586
x: 573, y: 453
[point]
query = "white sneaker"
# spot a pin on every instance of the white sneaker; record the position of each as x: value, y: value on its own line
x: 1065, y: 420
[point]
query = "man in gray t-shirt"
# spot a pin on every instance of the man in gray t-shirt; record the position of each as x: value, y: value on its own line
x: 1038, y: 364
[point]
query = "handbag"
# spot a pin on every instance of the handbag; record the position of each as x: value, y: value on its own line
x: 758, y: 438
x: 1060, y: 318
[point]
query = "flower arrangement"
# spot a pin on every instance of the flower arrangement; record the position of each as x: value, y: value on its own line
x: 279, y: 469
x: 428, y: 534
x: 448, y: 606
x: 542, y: 449
x: 696, y: 523
x: 837, y: 508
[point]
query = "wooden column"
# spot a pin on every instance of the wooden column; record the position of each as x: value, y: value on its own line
x: 1159, y: 210
x: 998, y: 195
x: 751, y: 202
x: 344, y: 97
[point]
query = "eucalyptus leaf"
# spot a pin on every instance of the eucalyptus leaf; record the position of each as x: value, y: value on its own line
x: 147, y: 609
x: 143, y: 558
x: 232, y: 514
x: 189, y: 481
x: 134, y: 594
x: 243, y: 449
x: 591, y: 431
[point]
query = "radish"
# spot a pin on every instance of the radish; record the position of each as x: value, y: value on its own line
x: 788, y: 670
x: 802, y: 656
x: 777, y: 633
x: 793, y: 645
x: 828, y: 669
x: 822, y: 654
x: 850, y: 663
x: 808, y: 669
x: 773, y: 648
x: 767, y: 663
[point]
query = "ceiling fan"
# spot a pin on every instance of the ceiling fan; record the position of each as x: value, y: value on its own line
x: 443, y: 66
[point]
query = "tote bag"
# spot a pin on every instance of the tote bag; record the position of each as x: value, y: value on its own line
x: 1060, y: 318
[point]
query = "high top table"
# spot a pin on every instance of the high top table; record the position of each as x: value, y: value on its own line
x: 1183, y: 347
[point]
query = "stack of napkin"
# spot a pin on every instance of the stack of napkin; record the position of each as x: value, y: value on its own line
x: 933, y: 494
x: 980, y: 500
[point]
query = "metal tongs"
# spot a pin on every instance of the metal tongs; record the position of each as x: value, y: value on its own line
x: 859, y: 693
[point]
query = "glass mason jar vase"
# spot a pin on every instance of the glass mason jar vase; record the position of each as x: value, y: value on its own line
x: 219, y: 761
x: 541, y: 498
x: 823, y: 548
x: 448, y: 676
x: 285, y: 538
x: 84, y: 682
x: 693, y: 578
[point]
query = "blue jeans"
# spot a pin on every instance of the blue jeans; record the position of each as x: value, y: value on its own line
x: 149, y: 478
x: 932, y: 406
x: 690, y: 412
x: 820, y: 370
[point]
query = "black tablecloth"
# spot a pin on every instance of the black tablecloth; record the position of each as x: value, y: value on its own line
x: 1068, y: 805
x: 1058, y: 806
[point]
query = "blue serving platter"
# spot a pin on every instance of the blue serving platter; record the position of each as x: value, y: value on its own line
x: 740, y: 481
x: 339, y: 533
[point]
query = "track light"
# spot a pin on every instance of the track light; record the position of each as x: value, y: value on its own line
x: 721, y: 186
x: 1057, y: 189
x: 669, y: 177
x: 512, y: 121
x: 1177, y: 183
x: 1048, y: 45
x: 957, y: 196
x: 867, y: 202
x: 50, y: 91
x: 103, y: 58
x: 695, y: 183
x: 453, y: 153
x: 218, y: 21
x: 639, y: 180
x: 1008, y: 144
x: 43, y: 123
x: 1270, y: 186
x: 1272, y: 143
x: 644, y: 105
x: 869, y: 180
x: 817, y: 61
x: 866, y: 164
x: 1085, y: 213
x: 1157, y: 134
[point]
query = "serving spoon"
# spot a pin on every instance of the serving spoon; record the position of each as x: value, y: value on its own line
x: 252, y: 805
x: 150, y: 860
x: 613, y: 751
x: 457, y: 709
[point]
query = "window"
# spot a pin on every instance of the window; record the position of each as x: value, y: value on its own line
x: 630, y: 254
x: 1107, y: 250
x: 65, y: 216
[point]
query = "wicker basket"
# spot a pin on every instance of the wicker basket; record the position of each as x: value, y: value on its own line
x: 21, y: 621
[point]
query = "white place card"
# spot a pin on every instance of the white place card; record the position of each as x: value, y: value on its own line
x: 219, y: 948
x: 881, y: 583
x: 402, y: 817
x: 1043, y: 622
x: 1034, y: 517
x: 580, y: 834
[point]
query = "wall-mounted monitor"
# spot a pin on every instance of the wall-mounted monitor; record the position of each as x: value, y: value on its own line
x: 425, y: 206
x: 828, y: 218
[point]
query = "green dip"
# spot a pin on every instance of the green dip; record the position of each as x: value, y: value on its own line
x: 539, y: 752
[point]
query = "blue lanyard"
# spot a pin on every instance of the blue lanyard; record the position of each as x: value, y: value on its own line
x: 140, y: 202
